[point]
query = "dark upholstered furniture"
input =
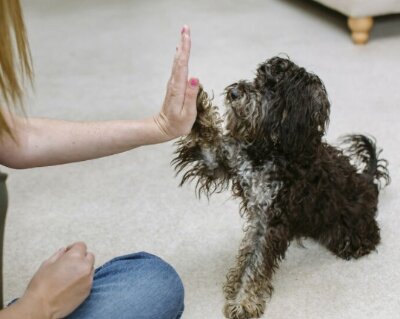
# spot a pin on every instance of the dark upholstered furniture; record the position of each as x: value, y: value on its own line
x: 3, y: 213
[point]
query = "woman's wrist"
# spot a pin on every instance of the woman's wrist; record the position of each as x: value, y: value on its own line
x: 161, y: 126
x: 31, y: 307
x: 152, y: 130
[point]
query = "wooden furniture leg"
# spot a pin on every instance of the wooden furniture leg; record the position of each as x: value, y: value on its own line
x: 360, y: 28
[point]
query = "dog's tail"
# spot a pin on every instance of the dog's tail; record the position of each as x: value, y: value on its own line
x: 364, y: 154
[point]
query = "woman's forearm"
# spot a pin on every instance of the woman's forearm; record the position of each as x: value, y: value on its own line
x: 23, y: 308
x: 13, y: 312
x: 44, y: 142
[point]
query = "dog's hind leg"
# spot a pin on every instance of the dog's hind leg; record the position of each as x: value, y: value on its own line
x: 352, y: 237
x: 248, y: 284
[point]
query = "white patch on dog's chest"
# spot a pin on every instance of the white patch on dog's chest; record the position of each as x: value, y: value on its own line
x: 258, y: 187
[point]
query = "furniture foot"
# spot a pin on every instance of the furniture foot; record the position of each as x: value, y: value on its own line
x: 360, y: 28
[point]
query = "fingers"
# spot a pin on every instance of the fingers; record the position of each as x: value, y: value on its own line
x: 180, y: 68
x: 57, y: 255
x: 90, y: 258
x: 183, y: 50
x: 186, y: 42
x: 77, y: 249
x: 192, y: 89
x: 179, y: 107
x: 180, y: 73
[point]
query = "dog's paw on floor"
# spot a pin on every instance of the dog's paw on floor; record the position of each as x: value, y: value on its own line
x: 243, y: 309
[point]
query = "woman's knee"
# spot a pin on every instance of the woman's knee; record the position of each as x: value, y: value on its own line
x: 153, y: 287
x: 161, y: 277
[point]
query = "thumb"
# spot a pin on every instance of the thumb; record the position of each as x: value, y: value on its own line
x: 192, y: 89
x: 56, y: 255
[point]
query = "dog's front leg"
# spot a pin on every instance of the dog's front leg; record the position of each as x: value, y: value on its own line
x: 201, y: 150
x: 248, y: 284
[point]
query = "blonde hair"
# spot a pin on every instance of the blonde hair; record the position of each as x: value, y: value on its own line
x: 15, y: 58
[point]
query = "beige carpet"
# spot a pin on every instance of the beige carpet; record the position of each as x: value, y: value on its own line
x: 111, y: 60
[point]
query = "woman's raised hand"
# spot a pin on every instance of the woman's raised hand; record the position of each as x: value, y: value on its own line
x: 179, y: 112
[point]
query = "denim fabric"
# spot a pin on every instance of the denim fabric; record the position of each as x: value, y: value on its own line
x: 135, y: 286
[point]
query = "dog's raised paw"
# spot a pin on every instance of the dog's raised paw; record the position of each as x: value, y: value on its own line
x: 243, y: 309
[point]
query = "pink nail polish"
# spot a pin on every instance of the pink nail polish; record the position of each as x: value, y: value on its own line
x: 183, y: 29
x: 194, y: 82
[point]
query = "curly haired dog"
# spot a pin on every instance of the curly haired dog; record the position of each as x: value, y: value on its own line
x: 292, y: 184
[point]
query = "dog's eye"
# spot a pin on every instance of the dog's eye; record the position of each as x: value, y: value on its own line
x: 233, y: 94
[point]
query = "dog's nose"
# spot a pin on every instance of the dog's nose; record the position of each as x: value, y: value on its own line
x: 233, y: 94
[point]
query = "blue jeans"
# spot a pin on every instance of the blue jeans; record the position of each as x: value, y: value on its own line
x: 135, y: 286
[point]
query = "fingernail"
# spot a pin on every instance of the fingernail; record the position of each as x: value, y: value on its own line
x: 185, y: 29
x: 194, y: 82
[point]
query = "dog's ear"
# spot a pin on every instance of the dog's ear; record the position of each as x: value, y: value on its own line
x: 298, y: 111
x: 304, y: 117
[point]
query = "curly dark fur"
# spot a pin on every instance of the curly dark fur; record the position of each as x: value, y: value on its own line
x: 291, y: 183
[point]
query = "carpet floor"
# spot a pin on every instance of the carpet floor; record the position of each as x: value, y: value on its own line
x: 102, y: 60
